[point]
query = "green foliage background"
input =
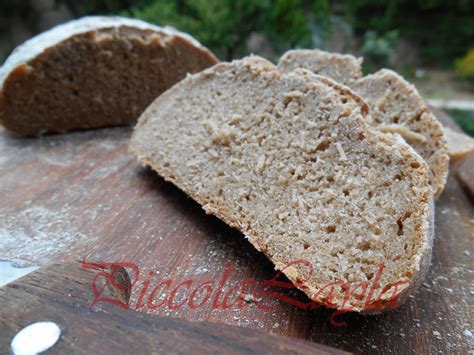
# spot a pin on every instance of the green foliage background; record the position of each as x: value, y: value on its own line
x: 442, y: 29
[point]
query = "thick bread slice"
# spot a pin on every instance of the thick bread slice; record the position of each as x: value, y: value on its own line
x: 290, y: 161
x: 395, y: 105
x: 459, y: 144
x: 343, y: 68
x: 92, y: 72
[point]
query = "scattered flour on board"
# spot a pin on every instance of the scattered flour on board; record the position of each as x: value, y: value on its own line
x: 35, y: 233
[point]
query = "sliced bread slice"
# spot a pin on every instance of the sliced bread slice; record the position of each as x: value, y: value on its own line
x: 290, y: 161
x: 459, y: 144
x: 394, y: 105
x: 343, y: 68
x: 92, y: 72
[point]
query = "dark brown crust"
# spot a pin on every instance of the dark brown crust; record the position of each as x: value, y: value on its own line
x: 94, y: 79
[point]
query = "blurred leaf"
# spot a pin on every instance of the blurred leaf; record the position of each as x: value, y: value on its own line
x: 465, y: 119
x: 465, y: 66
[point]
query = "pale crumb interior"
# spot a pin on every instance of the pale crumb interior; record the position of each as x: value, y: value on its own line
x: 392, y: 101
x: 291, y: 162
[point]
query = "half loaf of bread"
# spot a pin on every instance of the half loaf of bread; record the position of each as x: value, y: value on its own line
x: 92, y: 72
x: 395, y: 105
x: 290, y: 161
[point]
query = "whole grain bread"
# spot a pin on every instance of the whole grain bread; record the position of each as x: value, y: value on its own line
x: 92, y: 72
x: 290, y: 161
x: 395, y: 105
x: 459, y: 144
x: 343, y: 68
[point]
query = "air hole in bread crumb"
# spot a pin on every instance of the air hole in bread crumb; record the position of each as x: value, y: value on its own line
x: 330, y: 229
x: 370, y: 275
x: 415, y: 165
x: 376, y: 230
x: 346, y: 192
x: 400, y: 227
x: 362, y: 137
x: 364, y: 245
x: 322, y: 146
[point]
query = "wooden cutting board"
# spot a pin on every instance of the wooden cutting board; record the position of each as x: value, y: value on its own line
x: 81, y: 196
x: 61, y: 293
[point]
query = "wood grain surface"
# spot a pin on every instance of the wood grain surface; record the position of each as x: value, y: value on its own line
x: 80, y: 195
x: 61, y: 293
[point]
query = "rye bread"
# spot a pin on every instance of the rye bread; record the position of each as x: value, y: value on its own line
x: 290, y: 161
x: 395, y: 106
x: 92, y: 72
x: 343, y: 68
x: 459, y: 144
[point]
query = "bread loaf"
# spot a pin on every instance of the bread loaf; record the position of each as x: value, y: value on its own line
x: 93, y: 72
x: 290, y: 161
x: 394, y: 104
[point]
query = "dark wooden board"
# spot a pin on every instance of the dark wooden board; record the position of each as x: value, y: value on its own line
x: 80, y: 195
x: 61, y: 294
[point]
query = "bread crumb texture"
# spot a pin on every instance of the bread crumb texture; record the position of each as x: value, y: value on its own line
x: 291, y: 162
x: 395, y: 105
